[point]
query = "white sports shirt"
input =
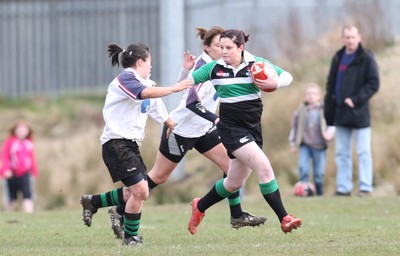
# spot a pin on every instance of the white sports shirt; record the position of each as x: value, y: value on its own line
x: 189, y: 124
x: 125, y: 112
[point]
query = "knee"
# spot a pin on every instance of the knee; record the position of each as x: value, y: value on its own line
x: 234, y: 185
x: 158, y: 178
x: 140, y: 195
x: 126, y: 194
x: 161, y: 179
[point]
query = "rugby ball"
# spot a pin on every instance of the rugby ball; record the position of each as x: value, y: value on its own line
x: 304, y: 189
x: 262, y: 70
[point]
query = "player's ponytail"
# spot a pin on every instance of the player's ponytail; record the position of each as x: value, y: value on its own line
x: 245, y: 37
x: 113, y: 52
x: 201, y: 32
x: 208, y: 35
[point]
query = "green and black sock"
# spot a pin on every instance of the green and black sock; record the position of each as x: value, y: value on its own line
x: 131, y: 224
x: 121, y: 209
x: 271, y: 194
x: 216, y: 194
x: 234, y: 204
x: 113, y: 197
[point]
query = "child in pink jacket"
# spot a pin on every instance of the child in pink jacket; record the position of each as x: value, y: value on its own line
x: 19, y: 165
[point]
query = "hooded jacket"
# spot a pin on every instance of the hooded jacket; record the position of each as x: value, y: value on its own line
x: 19, y: 157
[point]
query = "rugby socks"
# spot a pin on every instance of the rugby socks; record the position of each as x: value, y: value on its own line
x: 271, y: 194
x: 216, y: 194
x: 131, y: 224
x: 113, y: 197
x: 121, y: 209
x: 151, y: 183
x: 234, y: 204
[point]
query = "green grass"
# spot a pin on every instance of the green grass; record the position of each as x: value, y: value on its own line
x: 331, y: 226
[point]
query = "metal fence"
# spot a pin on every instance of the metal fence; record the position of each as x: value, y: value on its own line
x: 52, y: 47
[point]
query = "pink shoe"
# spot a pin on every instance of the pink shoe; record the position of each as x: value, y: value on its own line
x: 196, y: 217
x: 289, y: 223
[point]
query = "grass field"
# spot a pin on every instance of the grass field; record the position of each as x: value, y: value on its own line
x: 331, y: 226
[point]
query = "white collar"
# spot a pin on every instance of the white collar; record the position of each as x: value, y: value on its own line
x: 247, y: 58
x: 147, y: 82
x: 206, y: 57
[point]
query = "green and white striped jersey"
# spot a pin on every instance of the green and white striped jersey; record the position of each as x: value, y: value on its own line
x: 232, y: 85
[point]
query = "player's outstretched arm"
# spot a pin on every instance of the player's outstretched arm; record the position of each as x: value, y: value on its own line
x: 155, y: 92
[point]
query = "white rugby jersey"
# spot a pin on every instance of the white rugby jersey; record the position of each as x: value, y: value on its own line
x: 125, y: 112
x: 189, y: 124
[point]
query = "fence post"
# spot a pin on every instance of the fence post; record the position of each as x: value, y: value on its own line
x: 172, y: 43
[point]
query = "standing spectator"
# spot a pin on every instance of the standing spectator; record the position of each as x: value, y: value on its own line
x: 240, y: 112
x: 129, y: 102
x: 310, y: 134
x: 352, y: 80
x: 19, y: 166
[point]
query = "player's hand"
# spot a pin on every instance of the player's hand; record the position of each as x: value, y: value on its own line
x: 170, y: 124
x: 184, y: 84
x: 188, y: 60
x: 8, y: 174
x: 349, y: 102
x: 269, y: 84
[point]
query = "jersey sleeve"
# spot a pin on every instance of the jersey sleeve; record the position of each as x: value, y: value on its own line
x: 193, y: 103
x: 5, y: 157
x: 129, y: 84
x: 202, y: 74
x: 158, y: 111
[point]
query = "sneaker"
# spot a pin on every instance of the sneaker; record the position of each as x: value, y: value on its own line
x: 116, y: 222
x: 337, y: 193
x: 289, y: 223
x: 247, y: 219
x: 88, y: 209
x: 196, y: 217
x: 363, y: 193
x: 132, y: 240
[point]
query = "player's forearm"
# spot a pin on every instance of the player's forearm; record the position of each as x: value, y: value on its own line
x: 284, y: 79
x: 156, y: 92
x: 184, y: 74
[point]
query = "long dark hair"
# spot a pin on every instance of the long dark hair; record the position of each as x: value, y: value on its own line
x: 129, y: 56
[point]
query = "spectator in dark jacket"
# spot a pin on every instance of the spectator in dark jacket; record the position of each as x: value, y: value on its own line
x: 353, y: 79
